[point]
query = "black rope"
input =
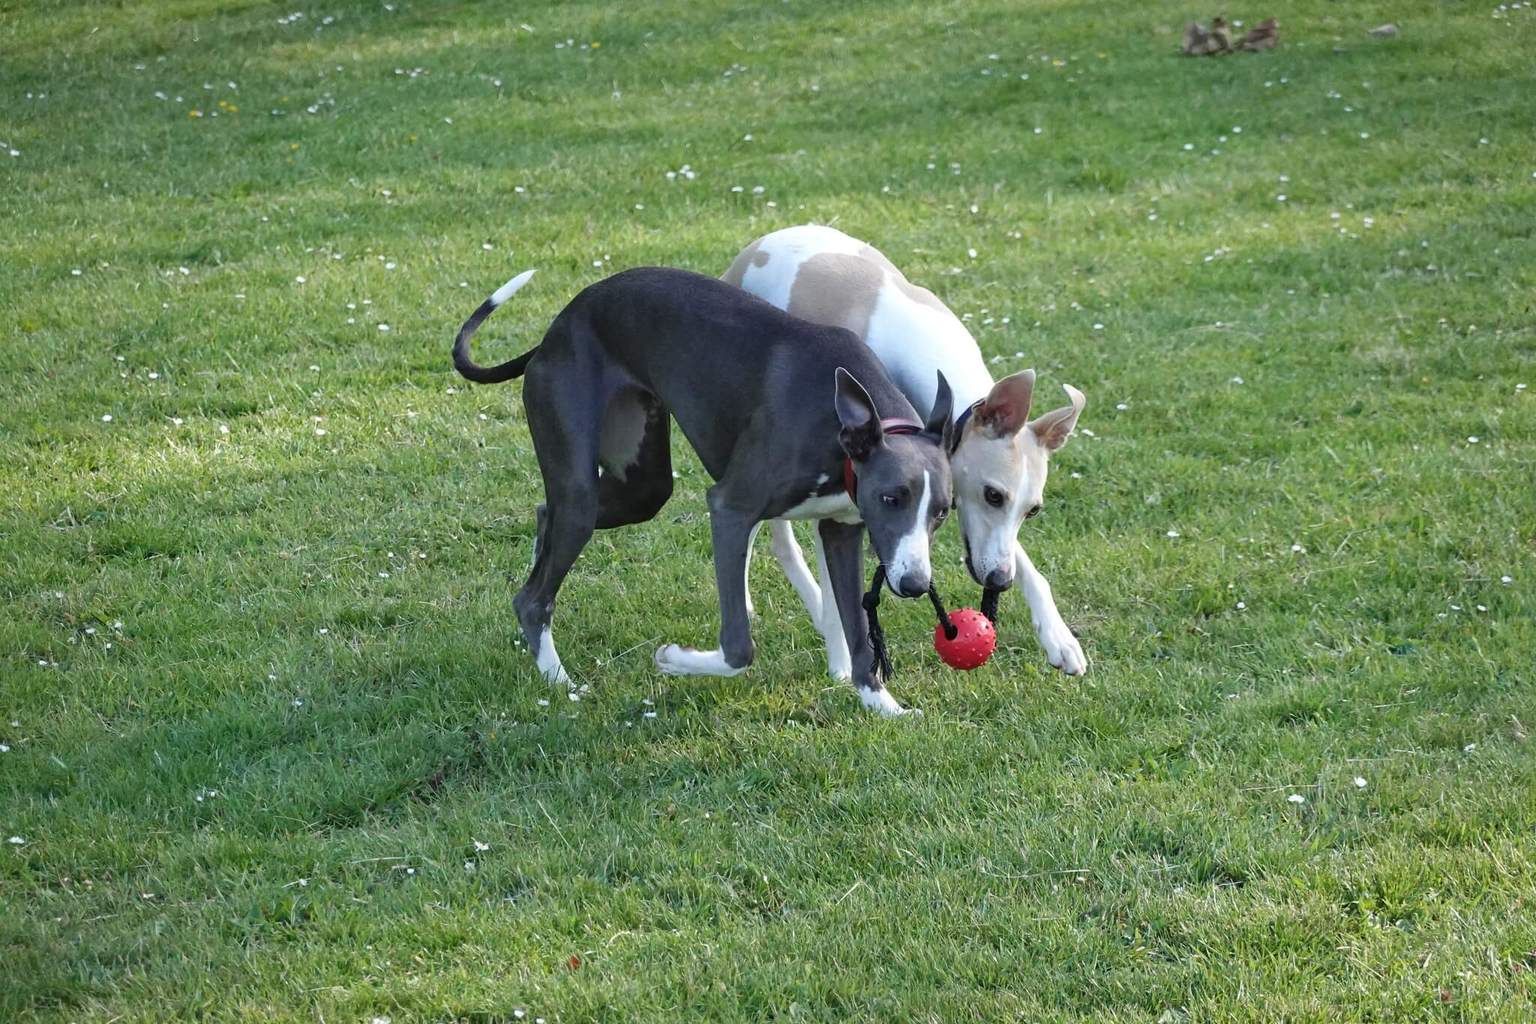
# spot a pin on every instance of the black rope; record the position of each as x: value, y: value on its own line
x: 871, y: 602
x: 950, y: 629
x: 989, y: 598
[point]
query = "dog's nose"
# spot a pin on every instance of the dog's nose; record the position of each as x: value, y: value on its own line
x: 1000, y: 578
x: 912, y: 585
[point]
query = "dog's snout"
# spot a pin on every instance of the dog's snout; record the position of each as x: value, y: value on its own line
x: 1000, y: 578
x: 913, y: 585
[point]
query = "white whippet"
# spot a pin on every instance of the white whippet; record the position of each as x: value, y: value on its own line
x: 1000, y: 456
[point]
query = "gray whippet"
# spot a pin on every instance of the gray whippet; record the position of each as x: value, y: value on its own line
x: 791, y: 419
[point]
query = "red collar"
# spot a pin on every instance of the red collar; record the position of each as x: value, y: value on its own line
x: 893, y: 426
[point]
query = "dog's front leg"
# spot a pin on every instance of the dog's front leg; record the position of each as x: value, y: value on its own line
x: 830, y: 623
x: 1061, y: 647
x: 843, y: 548
x: 732, y: 533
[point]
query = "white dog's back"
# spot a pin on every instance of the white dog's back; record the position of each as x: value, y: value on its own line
x: 821, y: 274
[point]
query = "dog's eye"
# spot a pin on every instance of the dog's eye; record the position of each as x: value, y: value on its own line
x: 1034, y: 510
x: 993, y: 496
x: 891, y: 499
x: 941, y: 515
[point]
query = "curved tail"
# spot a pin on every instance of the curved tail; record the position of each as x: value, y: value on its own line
x: 472, y: 370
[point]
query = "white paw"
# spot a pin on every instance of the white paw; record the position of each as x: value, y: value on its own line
x: 549, y: 662
x: 881, y: 702
x: 1062, y: 649
x: 669, y: 658
x: 839, y: 661
x: 685, y: 661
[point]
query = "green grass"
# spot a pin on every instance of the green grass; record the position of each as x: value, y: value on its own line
x: 186, y: 610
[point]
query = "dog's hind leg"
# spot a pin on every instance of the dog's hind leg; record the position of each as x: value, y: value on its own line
x: 787, y: 551
x: 565, y: 432
x: 564, y: 529
x: 746, y: 571
x: 600, y: 473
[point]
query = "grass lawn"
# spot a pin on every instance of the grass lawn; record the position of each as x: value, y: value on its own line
x: 269, y: 749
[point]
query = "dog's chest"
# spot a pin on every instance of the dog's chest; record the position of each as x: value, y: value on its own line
x: 836, y: 506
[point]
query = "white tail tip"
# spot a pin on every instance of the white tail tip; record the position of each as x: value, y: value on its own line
x: 509, y: 289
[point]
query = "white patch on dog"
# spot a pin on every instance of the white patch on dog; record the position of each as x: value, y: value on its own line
x: 836, y: 506
x: 621, y: 433
x: 549, y: 661
x: 882, y: 702
x: 914, y: 340
x: 685, y: 661
x: 510, y: 289
x: 911, y: 556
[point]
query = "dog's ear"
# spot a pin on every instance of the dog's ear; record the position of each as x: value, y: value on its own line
x: 861, y: 431
x: 1055, y: 427
x: 1005, y: 410
x: 941, y: 421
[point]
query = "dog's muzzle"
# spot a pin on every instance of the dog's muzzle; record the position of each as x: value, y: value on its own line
x: 1000, y: 578
x: 912, y: 585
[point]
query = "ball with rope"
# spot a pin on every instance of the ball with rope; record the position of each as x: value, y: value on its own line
x: 968, y: 642
x: 964, y: 638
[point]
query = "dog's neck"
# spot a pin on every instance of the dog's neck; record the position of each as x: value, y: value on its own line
x: 960, y: 422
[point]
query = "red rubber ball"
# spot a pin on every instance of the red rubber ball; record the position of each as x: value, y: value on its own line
x: 974, y: 641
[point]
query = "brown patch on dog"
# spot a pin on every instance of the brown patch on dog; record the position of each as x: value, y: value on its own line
x: 752, y: 255
x: 869, y: 252
x: 918, y: 294
x: 837, y: 289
